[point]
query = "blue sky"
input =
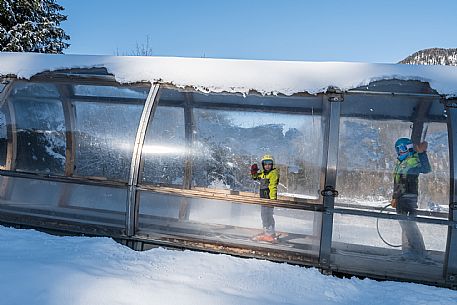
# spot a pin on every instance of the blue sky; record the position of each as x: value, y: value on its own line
x: 324, y: 30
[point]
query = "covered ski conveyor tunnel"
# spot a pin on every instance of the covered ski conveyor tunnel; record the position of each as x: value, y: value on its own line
x: 163, y: 159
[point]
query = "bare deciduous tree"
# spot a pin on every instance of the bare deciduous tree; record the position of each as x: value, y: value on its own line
x: 141, y: 49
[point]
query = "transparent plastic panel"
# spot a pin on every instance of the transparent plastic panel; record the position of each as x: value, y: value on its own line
x: 164, y: 150
x: 105, y: 134
x: 24, y: 192
x: 367, y: 156
x: 110, y: 91
x: 434, y: 186
x: 361, y: 230
x: 96, y: 204
x: 219, y: 220
x: 30, y: 89
x: 209, y: 141
x: 410, y: 250
x: 366, y: 160
x: 227, y: 142
x: 172, y: 96
x: 96, y: 197
x: 40, y: 128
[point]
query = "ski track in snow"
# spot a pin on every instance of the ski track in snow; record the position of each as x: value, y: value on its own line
x: 37, y: 268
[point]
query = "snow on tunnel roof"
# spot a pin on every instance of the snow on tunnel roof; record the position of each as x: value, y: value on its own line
x: 230, y: 75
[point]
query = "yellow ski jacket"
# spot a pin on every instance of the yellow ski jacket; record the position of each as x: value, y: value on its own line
x: 268, y: 183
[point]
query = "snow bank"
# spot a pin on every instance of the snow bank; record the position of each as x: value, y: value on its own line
x: 217, y: 75
x: 41, y: 269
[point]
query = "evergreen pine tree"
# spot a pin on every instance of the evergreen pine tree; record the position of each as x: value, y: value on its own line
x: 32, y: 26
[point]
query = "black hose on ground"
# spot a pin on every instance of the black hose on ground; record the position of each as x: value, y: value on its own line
x: 379, y: 233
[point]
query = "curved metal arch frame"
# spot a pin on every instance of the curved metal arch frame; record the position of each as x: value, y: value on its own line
x: 132, y: 194
x: 11, y: 144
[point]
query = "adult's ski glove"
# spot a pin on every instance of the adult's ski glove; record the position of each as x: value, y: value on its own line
x: 254, y: 169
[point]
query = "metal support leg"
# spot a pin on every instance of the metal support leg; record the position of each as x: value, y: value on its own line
x: 450, y: 264
x: 332, y: 110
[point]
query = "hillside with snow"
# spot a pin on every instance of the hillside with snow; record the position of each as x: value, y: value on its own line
x: 433, y: 56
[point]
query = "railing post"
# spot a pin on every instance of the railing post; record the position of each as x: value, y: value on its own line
x: 331, y: 106
x: 450, y: 263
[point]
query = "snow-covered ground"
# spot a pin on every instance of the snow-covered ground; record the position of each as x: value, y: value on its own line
x: 38, y: 268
